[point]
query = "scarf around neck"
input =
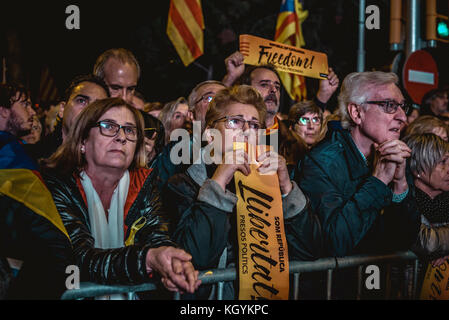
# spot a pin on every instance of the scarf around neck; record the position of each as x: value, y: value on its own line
x: 108, y: 232
x: 435, y: 210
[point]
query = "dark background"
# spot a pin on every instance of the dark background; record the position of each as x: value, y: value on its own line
x: 33, y: 35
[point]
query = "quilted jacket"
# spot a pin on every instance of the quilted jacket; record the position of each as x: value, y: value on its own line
x: 144, y: 224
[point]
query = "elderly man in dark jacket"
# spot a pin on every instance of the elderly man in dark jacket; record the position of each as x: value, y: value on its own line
x: 356, y: 178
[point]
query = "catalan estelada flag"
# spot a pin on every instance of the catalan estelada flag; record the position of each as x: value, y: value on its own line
x: 185, y: 29
x: 48, y: 92
x: 288, y: 31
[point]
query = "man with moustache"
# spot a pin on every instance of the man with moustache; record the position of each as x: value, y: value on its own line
x: 265, y: 79
x: 356, y: 177
x: 82, y: 91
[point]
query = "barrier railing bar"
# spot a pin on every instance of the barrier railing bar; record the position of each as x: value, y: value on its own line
x: 329, y: 284
x: 415, y: 279
x: 296, y: 286
x: 88, y: 289
x: 220, y: 290
x: 387, y: 282
x: 359, y: 282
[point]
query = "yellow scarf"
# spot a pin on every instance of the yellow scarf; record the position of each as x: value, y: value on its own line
x: 263, y: 254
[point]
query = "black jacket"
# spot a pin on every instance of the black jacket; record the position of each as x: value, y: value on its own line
x: 204, y: 220
x: 46, y: 146
x: 30, y: 231
x: 112, y: 266
x: 355, y: 208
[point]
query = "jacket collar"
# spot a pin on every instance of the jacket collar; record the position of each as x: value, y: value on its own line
x: 198, y: 173
x: 354, y: 159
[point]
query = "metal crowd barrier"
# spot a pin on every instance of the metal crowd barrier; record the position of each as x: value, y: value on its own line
x: 220, y: 276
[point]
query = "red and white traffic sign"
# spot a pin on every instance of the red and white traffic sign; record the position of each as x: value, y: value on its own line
x: 420, y: 75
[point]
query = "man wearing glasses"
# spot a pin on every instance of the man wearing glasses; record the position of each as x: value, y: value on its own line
x: 201, y: 95
x: 198, y: 101
x: 357, y: 179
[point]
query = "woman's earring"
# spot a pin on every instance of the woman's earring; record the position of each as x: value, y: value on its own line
x: 83, y: 150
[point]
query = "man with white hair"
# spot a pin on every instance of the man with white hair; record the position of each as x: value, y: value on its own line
x: 356, y: 178
x: 359, y: 172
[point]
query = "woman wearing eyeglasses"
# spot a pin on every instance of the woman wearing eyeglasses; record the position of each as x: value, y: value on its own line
x: 154, y: 137
x: 108, y: 201
x: 202, y: 201
x: 306, y: 120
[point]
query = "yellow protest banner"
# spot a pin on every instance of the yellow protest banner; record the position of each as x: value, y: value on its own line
x: 263, y: 254
x: 283, y: 57
x: 436, y: 283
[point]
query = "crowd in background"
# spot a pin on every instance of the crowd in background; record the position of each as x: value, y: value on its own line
x: 373, y: 176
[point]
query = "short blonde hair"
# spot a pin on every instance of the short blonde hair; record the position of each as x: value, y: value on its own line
x: 69, y: 158
x: 425, y: 124
x: 167, y: 113
x: 355, y: 89
x: 427, y: 150
x: 237, y: 94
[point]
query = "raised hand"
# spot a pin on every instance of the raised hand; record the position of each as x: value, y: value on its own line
x: 234, y: 68
x: 328, y: 86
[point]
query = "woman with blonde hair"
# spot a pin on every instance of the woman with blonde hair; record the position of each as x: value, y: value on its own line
x: 203, y: 200
x: 428, y: 124
x: 109, y: 203
x: 429, y: 163
x: 174, y: 115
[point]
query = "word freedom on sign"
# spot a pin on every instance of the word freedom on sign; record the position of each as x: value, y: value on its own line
x: 259, y: 51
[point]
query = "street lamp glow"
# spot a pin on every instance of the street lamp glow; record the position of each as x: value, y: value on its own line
x: 442, y: 29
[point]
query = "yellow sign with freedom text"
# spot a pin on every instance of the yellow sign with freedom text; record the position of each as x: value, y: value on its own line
x: 286, y: 58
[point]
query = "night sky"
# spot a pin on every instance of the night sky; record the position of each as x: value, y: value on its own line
x: 42, y: 39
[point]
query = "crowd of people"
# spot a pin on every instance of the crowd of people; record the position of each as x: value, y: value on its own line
x: 76, y: 189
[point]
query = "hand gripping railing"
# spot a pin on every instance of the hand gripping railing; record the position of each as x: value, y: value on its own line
x: 220, y: 276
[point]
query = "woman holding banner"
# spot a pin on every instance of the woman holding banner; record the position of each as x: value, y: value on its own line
x: 240, y: 209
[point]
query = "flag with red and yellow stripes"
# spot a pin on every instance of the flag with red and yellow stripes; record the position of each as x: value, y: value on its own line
x: 185, y: 29
x: 288, y: 31
x: 48, y: 92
